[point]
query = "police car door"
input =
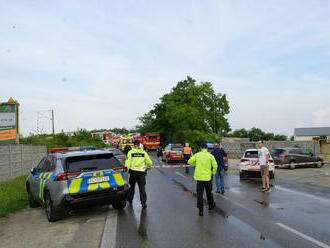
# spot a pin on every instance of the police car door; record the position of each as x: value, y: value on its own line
x: 42, y: 177
x: 35, y: 178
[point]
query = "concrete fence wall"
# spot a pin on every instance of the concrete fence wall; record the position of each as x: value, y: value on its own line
x: 237, y: 149
x: 16, y: 160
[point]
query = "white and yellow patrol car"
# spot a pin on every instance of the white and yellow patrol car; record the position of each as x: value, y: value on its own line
x: 248, y: 165
x: 69, y: 178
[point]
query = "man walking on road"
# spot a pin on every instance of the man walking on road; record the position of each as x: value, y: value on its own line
x: 127, y: 148
x: 205, y: 168
x: 263, y: 158
x: 136, y: 162
x: 219, y: 155
x: 160, y: 153
x: 186, y: 155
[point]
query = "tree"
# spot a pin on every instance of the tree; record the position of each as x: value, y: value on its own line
x: 190, y: 112
x: 256, y: 134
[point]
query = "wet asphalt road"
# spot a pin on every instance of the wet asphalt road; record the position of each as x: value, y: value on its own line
x: 292, y: 215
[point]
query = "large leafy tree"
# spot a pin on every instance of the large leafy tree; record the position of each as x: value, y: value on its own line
x: 190, y: 112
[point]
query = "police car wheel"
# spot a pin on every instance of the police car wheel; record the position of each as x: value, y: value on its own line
x: 52, y: 213
x: 242, y: 175
x: 271, y: 175
x: 32, y: 202
x: 119, y: 204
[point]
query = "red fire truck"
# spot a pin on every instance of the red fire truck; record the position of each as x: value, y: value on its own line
x: 150, y: 141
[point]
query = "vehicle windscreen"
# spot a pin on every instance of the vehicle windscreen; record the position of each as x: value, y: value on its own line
x: 277, y: 152
x: 91, y: 163
x: 251, y: 154
x: 177, y: 149
x: 116, y: 152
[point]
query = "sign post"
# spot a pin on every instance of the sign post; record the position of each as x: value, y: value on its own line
x: 9, y: 122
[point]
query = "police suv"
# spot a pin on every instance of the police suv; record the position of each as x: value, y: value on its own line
x: 76, y: 177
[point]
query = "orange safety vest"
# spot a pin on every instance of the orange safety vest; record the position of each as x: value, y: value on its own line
x: 187, y: 150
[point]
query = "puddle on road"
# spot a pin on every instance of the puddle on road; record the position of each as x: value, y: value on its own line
x: 229, y: 218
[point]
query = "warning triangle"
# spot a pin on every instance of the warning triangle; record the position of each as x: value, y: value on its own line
x: 11, y: 100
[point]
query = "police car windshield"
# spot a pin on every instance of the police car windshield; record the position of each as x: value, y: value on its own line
x: 91, y: 163
x: 251, y: 154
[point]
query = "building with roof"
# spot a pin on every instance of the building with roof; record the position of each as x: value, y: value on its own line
x: 310, y: 133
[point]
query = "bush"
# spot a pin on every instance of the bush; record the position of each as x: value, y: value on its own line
x: 79, y: 138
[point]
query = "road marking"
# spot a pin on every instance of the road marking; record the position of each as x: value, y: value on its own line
x: 319, y: 243
x: 302, y: 194
x: 110, y: 230
x: 178, y: 173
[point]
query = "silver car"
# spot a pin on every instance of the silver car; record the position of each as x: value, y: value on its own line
x: 65, y: 180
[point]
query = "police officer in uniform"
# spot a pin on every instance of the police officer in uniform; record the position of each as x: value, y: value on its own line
x: 205, y: 168
x: 137, y: 160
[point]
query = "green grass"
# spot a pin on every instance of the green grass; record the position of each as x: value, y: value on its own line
x: 13, y: 196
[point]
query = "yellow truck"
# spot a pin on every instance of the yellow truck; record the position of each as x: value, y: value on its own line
x: 126, y: 140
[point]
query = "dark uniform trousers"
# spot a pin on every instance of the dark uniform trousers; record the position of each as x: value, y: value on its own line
x: 200, y: 192
x: 138, y: 177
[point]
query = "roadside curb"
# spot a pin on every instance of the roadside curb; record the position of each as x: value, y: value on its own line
x: 109, y: 235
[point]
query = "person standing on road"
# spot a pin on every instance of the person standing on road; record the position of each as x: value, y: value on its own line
x: 137, y: 162
x: 263, y: 158
x: 220, y: 155
x: 187, y: 153
x: 205, y: 168
x: 127, y: 148
x: 159, y: 153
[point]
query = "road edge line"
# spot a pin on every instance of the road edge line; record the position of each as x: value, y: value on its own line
x: 109, y: 235
x: 304, y: 236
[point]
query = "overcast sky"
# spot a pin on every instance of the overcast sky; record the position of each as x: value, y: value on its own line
x: 101, y: 64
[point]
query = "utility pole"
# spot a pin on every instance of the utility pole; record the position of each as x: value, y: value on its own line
x: 53, y: 126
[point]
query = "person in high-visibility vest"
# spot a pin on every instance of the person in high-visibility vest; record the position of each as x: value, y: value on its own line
x: 205, y: 168
x: 187, y: 153
x: 138, y: 161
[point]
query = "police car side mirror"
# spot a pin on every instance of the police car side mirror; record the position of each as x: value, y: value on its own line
x: 33, y: 171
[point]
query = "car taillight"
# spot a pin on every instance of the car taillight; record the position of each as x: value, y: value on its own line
x: 284, y: 155
x: 66, y: 176
x: 120, y: 169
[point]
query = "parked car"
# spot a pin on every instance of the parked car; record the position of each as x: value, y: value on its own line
x: 173, y: 153
x: 248, y: 166
x: 289, y: 156
x: 66, y: 179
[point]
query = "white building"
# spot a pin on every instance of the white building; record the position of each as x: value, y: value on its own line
x: 309, y: 133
